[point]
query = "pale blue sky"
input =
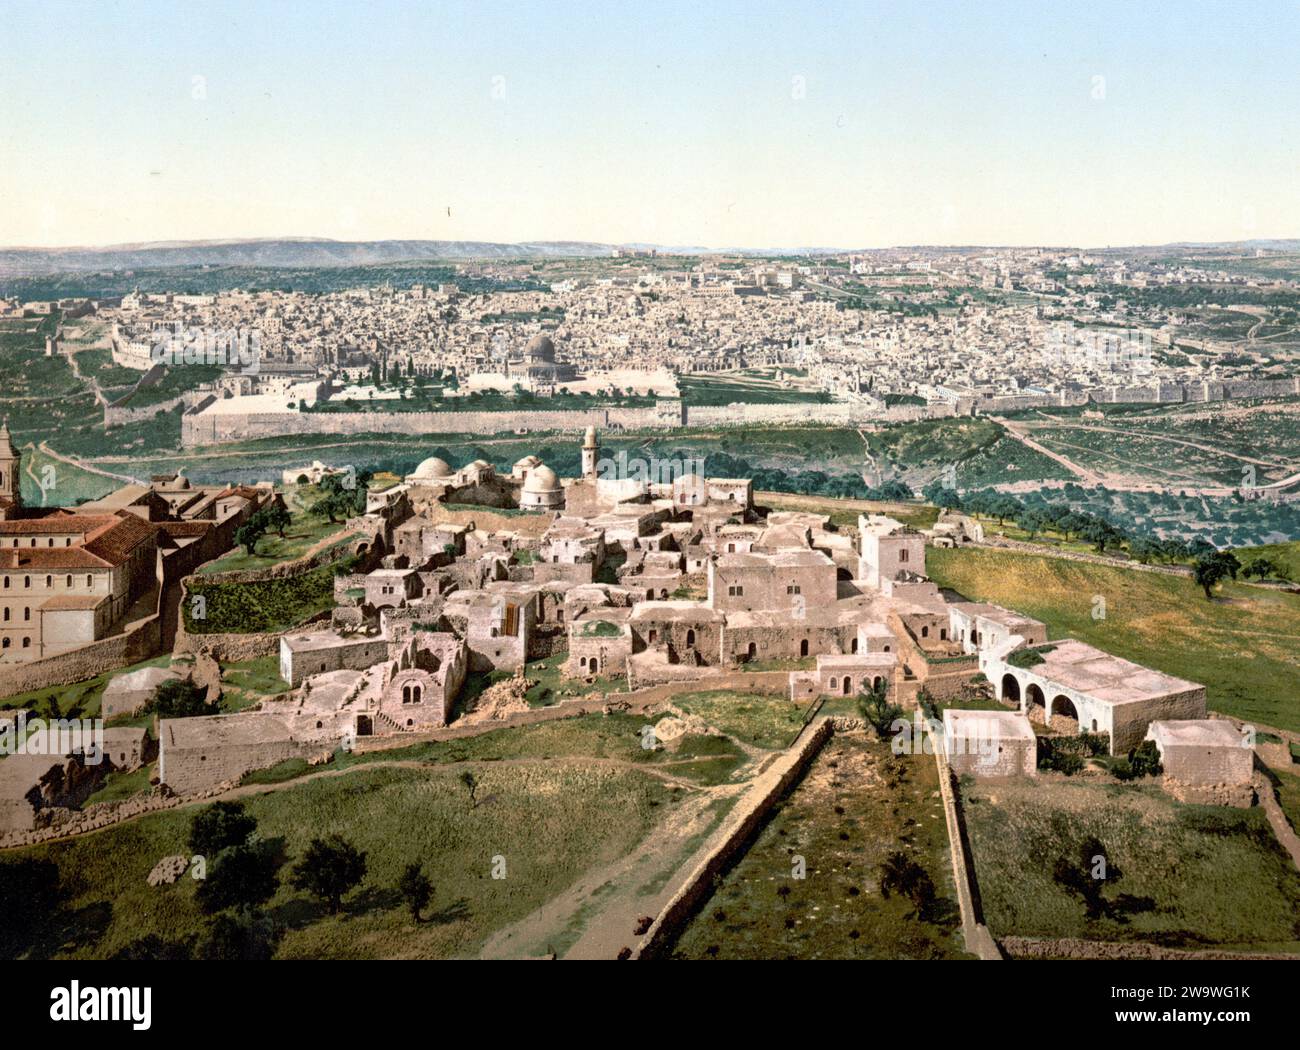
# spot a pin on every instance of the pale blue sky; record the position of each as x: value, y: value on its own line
x: 675, y: 123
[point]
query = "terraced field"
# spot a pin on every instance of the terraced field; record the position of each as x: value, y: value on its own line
x: 1225, y: 443
x: 856, y: 804
x: 1178, y: 875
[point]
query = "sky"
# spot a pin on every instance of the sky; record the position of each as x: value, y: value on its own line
x: 722, y: 124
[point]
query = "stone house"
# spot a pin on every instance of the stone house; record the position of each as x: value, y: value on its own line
x: 1206, y: 761
x: 990, y: 743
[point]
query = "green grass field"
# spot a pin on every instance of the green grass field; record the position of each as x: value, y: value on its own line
x: 1244, y: 647
x: 264, y: 605
x: 1192, y: 875
x: 305, y: 531
x: 550, y: 822
x: 703, y: 760
x: 49, y: 482
x: 856, y: 804
x: 769, y: 722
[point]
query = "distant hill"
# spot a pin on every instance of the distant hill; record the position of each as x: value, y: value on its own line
x: 321, y: 252
x: 275, y: 253
x: 307, y: 252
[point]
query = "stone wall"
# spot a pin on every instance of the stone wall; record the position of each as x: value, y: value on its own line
x: 740, y: 824
x: 64, y: 823
x: 1076, y: 948
x: 206, y: 428
x: 140, y: 642
x: 232, y: 648
x: 189, y: 770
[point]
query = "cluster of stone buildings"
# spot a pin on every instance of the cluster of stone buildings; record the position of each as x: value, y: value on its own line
x: 647, y: 583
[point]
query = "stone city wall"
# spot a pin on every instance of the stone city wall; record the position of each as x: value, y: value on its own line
x: 207, y: 428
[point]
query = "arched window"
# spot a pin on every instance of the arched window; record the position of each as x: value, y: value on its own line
x: 690, y: 637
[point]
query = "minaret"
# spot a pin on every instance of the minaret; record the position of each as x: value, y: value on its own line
x: 590, y: 454
x: 10, y: 469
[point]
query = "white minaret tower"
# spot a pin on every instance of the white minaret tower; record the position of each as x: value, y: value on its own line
x: 590, y: 454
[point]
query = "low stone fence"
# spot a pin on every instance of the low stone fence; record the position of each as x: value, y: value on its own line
x: 330, y: 555
x: 772, y: 784
x: 1075, y: 948
x: 975, y: 933
x: 458, y: 730
x: 233, y: 647
x: 1020, y: 546
x: 70, y: 822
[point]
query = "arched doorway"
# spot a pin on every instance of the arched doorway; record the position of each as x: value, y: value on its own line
x: 364, y: 726
x: 803, y: 647
x: 848, y: 685
x: 1063, y: 708
x: 1035, y: 704
x: 1010, y: 689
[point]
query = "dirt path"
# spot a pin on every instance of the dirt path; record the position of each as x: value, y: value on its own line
x: 1173, y: 441
x: 70, y: 461
x: 89, y: 381
x: 596, y: 917
x: 1082, y: 473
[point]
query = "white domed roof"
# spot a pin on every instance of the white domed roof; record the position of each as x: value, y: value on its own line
x: 541, y: 479
x: 433, y: 467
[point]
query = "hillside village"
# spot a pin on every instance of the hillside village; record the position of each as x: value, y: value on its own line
x: 639, y: 587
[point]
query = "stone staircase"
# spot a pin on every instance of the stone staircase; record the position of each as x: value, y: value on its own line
x: 390, y: 724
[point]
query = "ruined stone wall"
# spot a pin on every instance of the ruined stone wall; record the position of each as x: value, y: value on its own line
x: 1237, y: 794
